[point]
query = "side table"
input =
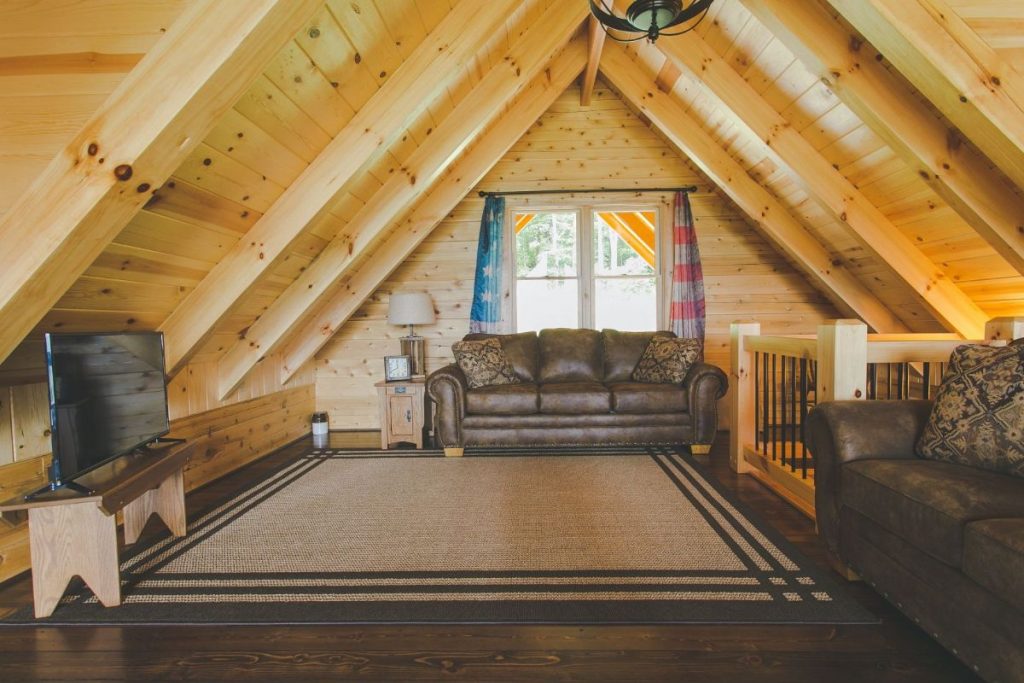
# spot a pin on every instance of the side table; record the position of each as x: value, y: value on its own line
x: 402, y: 412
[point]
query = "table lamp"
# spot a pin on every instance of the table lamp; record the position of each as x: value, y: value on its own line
x: 412, y: 308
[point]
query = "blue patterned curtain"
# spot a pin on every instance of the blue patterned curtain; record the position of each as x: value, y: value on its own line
x: 485, y: 316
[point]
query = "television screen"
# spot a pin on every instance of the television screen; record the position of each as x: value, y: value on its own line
x: 108, y: 395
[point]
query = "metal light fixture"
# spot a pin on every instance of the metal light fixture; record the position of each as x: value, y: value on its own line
x: 650, y: 18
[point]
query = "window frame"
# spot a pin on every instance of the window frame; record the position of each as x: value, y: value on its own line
x: 585, y: 208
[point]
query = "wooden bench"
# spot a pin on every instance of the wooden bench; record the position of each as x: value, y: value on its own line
x: 73, y: 534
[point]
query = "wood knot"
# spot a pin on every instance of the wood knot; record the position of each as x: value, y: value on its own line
x: 123, y: 172
x: 142, y: 187
x: 93, y: 149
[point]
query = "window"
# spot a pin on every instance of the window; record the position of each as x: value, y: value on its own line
x: 589, y: 267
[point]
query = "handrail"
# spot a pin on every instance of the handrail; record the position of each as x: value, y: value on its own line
x: 803, y: 346
x: 927, y: 351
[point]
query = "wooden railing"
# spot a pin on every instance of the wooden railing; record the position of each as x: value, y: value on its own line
x: 777, y: 380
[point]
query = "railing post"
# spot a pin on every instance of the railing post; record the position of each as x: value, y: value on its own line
x: 842, y: 360
x: 741, y: 416
x: 1005, y: 328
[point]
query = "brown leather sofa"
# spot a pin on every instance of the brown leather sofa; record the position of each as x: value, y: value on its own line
x: 943, y: 542
x: 576, y: 388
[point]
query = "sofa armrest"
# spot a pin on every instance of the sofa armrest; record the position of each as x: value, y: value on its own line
x: 705, y: 384
x: 447, y: 389
x: 839, y: 432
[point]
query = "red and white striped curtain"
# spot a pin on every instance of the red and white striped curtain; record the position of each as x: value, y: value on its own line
x: 687, y: 312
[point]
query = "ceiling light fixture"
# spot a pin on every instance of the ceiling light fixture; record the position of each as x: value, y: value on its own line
x: 650, y: 18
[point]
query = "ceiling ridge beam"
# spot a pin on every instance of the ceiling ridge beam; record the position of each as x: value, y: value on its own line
x: 306, y: 340
x: 772, y: 219
x: 825, y: 184
x: 400, y: 99
x: 960, y: 175
x: 529, y: 54
x: 142, y: 132
x: 595, y: 43
x: 953, y: 67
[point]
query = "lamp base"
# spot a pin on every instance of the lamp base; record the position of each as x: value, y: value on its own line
x: 414, y: 347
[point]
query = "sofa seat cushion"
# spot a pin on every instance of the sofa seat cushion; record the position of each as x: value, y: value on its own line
x: 569, y: 398
x: 928, y: 503
x: 508, y: 399
x: 994, y: 557
x: 643, y: 397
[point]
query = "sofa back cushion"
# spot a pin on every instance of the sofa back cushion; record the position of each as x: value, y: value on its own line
x: 622, y: 351
x: 568, y: 355
x: 978, y: 417
x: 520, y: 349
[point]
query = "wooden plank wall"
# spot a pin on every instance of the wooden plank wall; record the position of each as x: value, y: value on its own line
x: 604, y: 145
x: 229, y: 437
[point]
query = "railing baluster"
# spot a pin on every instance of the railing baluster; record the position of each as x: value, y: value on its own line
x: 792, y: 412
x: 926, y: 381
x: 782, y: 409
x: 775, y: 414
x: 803, y: 417
x: 765, y: 402
x: 872, y: 381
x: 899, y: 381
x: 757, y: 402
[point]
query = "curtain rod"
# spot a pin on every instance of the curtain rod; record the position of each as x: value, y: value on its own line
x: 688, y: 188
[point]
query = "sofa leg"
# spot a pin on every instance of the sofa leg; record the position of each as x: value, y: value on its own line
x: 453, y: 452
x: 840, y: 568
x: 700, y: 448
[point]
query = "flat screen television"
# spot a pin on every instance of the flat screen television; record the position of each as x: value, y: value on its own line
x: 108, y: 397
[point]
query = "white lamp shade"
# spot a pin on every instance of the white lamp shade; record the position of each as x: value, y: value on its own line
x: 411, y: 308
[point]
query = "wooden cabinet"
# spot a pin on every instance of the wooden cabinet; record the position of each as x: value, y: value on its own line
x: 402, y: 412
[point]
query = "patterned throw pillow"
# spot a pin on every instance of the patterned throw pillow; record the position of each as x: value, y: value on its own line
x: 484, y: 363
x: 978, y: 417
x: 666, y: 360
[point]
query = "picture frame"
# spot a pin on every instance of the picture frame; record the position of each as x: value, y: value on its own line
x: 397, y: 368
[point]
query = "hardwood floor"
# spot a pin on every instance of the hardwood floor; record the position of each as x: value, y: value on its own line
x: 894, y: 650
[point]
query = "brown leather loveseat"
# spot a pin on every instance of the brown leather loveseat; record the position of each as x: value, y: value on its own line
x: 943, y: 541
x: 575, y: 388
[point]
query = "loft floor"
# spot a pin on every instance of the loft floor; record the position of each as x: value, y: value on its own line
x: 894, y: 650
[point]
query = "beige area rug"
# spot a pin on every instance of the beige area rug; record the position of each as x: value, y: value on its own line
x: 626, y: 535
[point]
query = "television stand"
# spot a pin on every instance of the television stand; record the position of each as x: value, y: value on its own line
x: 69, y: 485
x: 76, y: 535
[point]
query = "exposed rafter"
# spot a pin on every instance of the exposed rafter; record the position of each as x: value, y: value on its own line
x: 132, y: 144
x: 763, y: 210
x: 441, y: 199
x: 529, y: 55
x: 595, y: 43
x: 428, y: 69
x: 826, y: 185
x: 953, y: 67
x: 961, y: 176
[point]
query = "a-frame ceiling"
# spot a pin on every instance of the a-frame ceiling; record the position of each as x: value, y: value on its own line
x: 310, y: 149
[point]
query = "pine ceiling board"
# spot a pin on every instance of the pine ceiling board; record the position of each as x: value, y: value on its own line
x: 839, y: 121
x: 811, y: 106
x: 979, y: 268
x: 105, y: 294
x: 1000, y: 23
x: 726, y: 26
x: 299, y: 78
x: 964, y: 246
x: 330, y: 49
x: 768, y: 66
x: 248, y: 144
x: 1009, y: 289
x: 219, y: 174
x: 853, y: 145
x: 127, y: 262
x: 75, y: 320
x: 432, y: 12
x: 265, y: 105
x: 749, y: 43
x: 365, y: 28
x: 403, y: 24
x: 182, y: 201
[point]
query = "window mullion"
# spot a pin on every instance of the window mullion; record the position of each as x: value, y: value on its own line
x: 586, y: 266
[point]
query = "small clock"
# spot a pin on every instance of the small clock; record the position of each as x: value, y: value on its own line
x: 397, y: 368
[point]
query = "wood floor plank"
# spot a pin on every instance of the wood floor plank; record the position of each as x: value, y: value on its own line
x: 894, y: 650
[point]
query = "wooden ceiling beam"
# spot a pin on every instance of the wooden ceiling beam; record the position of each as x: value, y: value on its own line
x: 528, y: 56
x: 595, y: 43
x: 953, y: 67
x: 617, y: 222
x: 130, y: 146
x: 957, y: 172
x: 825, y: 184
x: 413, y: 86
x: 760, y: 207
x: 441, y: 199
